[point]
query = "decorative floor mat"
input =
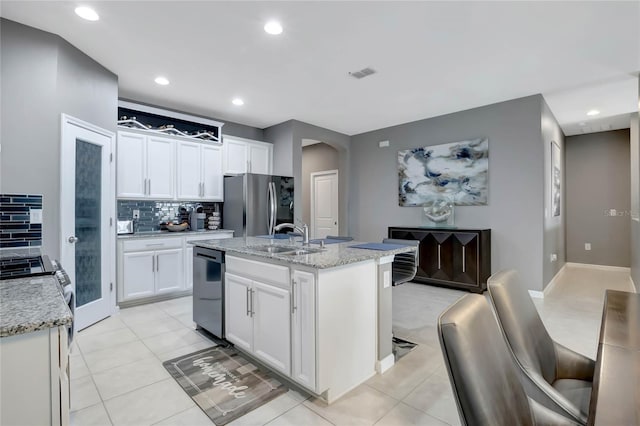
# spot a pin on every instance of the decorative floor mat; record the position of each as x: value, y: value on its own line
x: 223, y: 383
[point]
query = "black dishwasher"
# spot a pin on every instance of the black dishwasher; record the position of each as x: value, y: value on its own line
x: 208, y: 290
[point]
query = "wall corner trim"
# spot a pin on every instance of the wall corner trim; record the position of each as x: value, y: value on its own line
x: 555, y: 278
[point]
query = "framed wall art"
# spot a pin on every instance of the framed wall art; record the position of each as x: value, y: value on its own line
x: 457, y: 170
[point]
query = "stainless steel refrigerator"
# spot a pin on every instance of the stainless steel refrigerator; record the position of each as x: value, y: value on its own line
x: 254, y: 204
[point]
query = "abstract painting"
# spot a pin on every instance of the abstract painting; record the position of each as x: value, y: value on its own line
x: 459, y: 170
x: 556, y: 174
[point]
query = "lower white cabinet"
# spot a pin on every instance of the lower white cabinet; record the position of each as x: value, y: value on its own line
x: 303, y: 328
x: 156, y: 266
x: 258, y: 310
x: 34, y: 367
x: 149, y: 273
x: 275, y: 321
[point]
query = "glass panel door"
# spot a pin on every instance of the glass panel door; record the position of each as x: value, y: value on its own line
x: 88, y: 222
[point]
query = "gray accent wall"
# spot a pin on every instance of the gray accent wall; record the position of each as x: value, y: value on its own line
x: 515, y: 212
x: 554, y: 226
x: 315, y: 158
x: 287, y: 153
x: 43, y: 76
x: 598, y: 179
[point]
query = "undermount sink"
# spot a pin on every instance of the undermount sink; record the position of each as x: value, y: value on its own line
x: 273, y: 249
x: 287, y: 250
x: 302, y: 251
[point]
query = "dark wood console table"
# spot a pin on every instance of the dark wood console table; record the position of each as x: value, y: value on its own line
x: 450, y: 257
x: 615, y: 396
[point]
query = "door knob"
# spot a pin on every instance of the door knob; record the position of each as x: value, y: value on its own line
x: 73, y: 239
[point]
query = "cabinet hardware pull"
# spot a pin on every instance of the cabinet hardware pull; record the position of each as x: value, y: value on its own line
x: 157, y: 263
x: 154, y: 245
x: 153, y: 264
x: 144, y: 190
x: 149, y: 187
x: 293, y: 296
x: 253, y: 312
x: 464, y: 263
x: 247, y: 299
x: 203, y: 189
x: 439, y: 263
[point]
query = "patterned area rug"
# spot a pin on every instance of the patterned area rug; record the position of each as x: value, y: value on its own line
x: 223, y: 383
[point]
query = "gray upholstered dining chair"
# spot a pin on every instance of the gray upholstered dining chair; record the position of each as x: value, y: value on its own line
x: 483, y: 375
x: 405, y: 265
x: 552, y: 374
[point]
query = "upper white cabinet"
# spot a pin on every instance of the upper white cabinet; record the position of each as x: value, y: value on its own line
x: 146, y: 166
x: 200, y: 174
x: 246, y: 156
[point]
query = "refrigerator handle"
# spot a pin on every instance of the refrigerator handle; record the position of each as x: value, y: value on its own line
x: 269, y: 209
x: 274, y: 205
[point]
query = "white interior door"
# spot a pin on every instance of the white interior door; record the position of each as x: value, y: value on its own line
x: 324, y: 203
x: 87, y: 201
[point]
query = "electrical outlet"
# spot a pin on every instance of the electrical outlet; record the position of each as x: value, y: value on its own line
x: 587, y: 246
x: 554, y: 257
x: 35, y: 215
x: 383, y: 144
x: 136, y: 214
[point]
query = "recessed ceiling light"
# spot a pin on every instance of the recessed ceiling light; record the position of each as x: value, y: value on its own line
x: 237, y: 102
x: 593, y: 112
x: 582, y: 123
x: 162, y: 81
x: 273, y: 28
x: 87, y: 13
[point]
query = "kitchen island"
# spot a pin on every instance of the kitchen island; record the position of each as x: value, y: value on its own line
x: 319, y: 316
x: 34, y: 317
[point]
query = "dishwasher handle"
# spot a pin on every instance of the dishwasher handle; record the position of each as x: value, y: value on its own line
x: 212, y: 255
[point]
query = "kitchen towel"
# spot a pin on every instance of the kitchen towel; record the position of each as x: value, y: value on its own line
x: 378, y: 246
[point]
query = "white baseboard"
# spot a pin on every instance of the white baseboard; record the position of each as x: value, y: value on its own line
x: 599, y: 267
x: 385, y: 363
x: 536, y: 294
x: 555, y: 279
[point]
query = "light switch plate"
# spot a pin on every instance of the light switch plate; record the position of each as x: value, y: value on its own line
x: 35, y: 215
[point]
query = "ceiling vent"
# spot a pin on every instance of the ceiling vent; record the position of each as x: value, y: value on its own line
x: 362, y: 73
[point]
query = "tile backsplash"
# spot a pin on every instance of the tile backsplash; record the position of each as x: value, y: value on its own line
x: 17, y: 212
x: 154, y: 212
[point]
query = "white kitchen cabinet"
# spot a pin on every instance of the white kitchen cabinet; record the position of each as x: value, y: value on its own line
x: 145, y: 166
x: 258, y: 310
x: 238, y: 319
x: 271, y: 323
x: 169, y: 275
x: 34, y: 367
x: 246, y: 156
x: 138, y: 273
x: 303, y: 328
x: 149, y: 267
x: 200, y: 174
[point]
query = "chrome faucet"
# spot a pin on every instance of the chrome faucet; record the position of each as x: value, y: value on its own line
x: 304, y: 230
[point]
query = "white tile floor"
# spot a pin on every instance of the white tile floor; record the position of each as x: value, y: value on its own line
x: 118, y: 378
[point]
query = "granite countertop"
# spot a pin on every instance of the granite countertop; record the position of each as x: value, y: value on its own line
x: 153, y: 234
x: 332, y: 255
x: 31, y: 304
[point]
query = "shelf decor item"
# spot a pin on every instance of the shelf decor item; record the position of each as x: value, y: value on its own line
x: 166, y: 129
x: 459, y: 170
x: 438, y: 211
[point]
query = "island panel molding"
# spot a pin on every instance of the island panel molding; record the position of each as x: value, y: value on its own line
x: 450, y: 257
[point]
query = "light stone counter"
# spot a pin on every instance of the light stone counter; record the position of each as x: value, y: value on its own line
x: 332, y: 255
x: 31, y: 304
x: 154, y: 234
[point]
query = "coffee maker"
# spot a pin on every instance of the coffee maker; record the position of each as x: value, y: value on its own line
x: 196, y: 218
